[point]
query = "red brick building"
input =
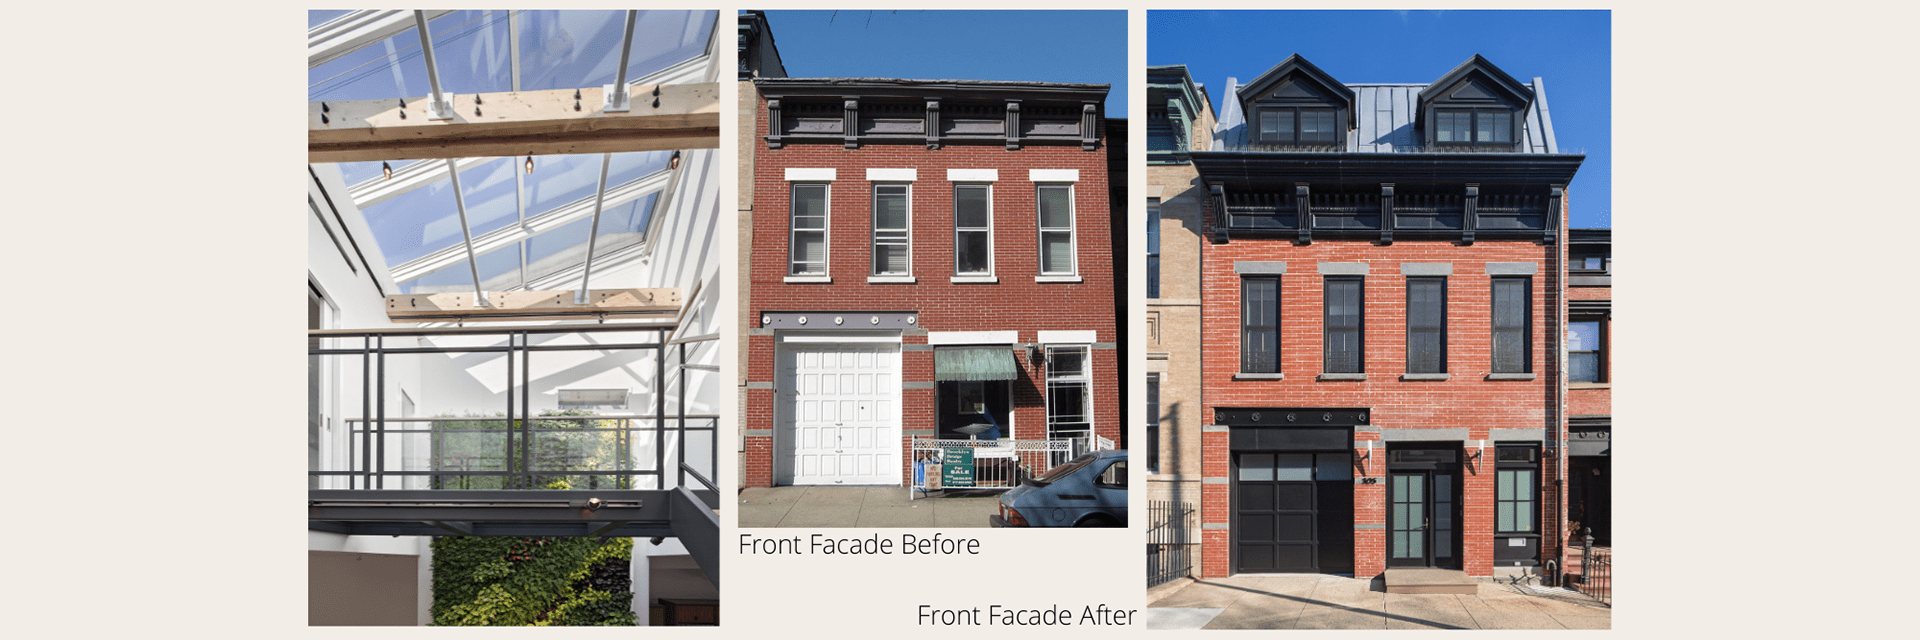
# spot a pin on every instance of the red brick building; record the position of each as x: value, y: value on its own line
x: 929, y: 259
x: 1381, y: 315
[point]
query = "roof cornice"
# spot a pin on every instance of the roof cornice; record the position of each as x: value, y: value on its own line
x: 907, y: 88
x: 1263, y: 170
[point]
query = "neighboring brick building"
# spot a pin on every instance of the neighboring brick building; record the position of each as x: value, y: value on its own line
x: 1590, y: 383
x: 1180, y: 118
x: 1381, y: 318
x: 926, y: 256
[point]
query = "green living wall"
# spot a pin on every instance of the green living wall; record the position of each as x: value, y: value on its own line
x: 487, y: 581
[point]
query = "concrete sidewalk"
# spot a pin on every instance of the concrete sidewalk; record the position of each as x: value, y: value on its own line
x: 865, y: 507
x: 1310, y: 601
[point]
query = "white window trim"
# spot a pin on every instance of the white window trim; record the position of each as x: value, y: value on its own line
x: 989, y: 276
x: 1085, y: 378
x: 1072, y: 274
x: 1053, y: 175
x: 942, y: 338
x: 873, y: 232
x: 1069, y: 338
x: 826, y: 230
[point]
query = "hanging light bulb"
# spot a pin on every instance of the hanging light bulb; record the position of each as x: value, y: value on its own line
x: 386, y: 170
x: 674, y: 163
x: 529, y: 164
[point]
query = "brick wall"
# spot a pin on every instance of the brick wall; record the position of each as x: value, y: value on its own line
x: 1017, y: 302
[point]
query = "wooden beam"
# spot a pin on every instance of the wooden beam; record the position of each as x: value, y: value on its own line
x: 515, y: 124
x: 533, y: 305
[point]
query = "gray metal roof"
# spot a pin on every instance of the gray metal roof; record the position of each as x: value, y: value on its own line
x: 1384, y: 114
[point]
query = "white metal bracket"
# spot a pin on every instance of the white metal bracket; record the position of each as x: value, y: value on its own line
x: 618, y: 99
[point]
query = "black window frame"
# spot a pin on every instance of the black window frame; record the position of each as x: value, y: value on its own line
x: 1474, y: 126
x: 1293, y: 115
x: 1599, y: 351
x: 1414, y: 282
x: 1503, y: 463
x: 1247, y: 347
x: 1153, y: 422
x: 1153, y: 249
x: 1358, y: 328
x: 1500, y: 362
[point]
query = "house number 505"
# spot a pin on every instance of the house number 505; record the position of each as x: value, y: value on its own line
x: 1367, y: 481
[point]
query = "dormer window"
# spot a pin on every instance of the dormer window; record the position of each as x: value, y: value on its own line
x: 1295, y: 104
x: 1298, y: 126
x: 1473, y: 126
x: 1474, y: 107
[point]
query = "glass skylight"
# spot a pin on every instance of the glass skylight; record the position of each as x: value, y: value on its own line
x: 473, y: 53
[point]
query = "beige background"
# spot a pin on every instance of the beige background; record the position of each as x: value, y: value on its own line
x: 153, y: 353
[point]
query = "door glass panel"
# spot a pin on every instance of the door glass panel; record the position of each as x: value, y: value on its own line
x: 1416, y: 541
x: 1256, y: 466
x: 1294, y: 467
x: 1400, y: 545
x: 1442, y: 544
x: 1505, y: 517
x: 1505, y: 489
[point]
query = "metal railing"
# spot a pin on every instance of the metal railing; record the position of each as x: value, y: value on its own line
x: 984, y: 464
x: 1595, y: 577
x: 1169, y: 554
x: 517, y: 448
x: 557, y: 452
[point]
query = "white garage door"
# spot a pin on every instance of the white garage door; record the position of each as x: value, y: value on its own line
x: 839, y: 414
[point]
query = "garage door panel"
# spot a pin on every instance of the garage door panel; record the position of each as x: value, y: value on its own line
x: 1294, y: 527
x: 845, y: 416
x: 1256, y: 527
x: 1256, y: 496
x: 1293, y: 496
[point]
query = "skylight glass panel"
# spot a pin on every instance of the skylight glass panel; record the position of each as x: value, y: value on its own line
x: 499, y: 271
x: 558, y: 180
x: 470, y: 48
x: 567, y: 246
x: 317, y: 17
x: 573, y: 49
x: 427, y: 219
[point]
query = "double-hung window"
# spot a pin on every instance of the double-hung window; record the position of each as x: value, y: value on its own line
x: 1344, y: 341
x: 809, y: 230
x: 892, y: 244
x: 1069, y: 410
x: 1153, y: 249
x: 1586, y: 352
x: 1516, y: 490
x: 1426, y: 325
x: 972, y: 229
x: 1512, y: 325
x: 1260, y: 325
x: 1055, y: 202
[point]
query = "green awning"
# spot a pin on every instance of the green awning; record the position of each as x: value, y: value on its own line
x: 974, y: 364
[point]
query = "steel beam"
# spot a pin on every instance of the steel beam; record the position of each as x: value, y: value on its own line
x: 698, y: 528
x: 466, y: 231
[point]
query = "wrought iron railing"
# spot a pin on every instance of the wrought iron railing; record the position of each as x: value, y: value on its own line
x: 1169, y: 553
x: 1595, y: 577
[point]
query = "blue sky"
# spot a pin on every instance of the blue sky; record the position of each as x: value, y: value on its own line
x: 1040, y: 46
x: 1570, y: 51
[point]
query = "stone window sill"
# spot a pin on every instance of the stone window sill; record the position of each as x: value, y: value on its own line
x: 1343, y: 377
x: 974, y: 280
x: 1589, y: 385
x: 1424, y: 377
x: 1259, y: 376
x: 889, y: 279
x: 809, y: 279
x: 1057, y: 279
x: 1509, y: 376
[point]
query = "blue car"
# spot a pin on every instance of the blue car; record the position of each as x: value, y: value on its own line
x: 1088, y: 491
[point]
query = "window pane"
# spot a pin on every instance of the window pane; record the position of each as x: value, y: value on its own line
x: 1269, y: 123
x: 1426, y: 325
x: 1510, y: 323
x: 1293, y: 467
x: 1066, y: 363
x: 809, y: 200
x: 1056, y: 211
x: 890, y: 207
x: 890, y: 259
x: 1056, y: 252
x: 1583, y: 367
x: 1343, y: 345
x: 1504, y: 522
x: 1504, y: 490
x: 1484, y: 131
x: 971, y: 251
x: 1260, y: 325
x: 809, y: 252
x: 1583, y: 336
x: 970, y: 207
x: 1153, y: 276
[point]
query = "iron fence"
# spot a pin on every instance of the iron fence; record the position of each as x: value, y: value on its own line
x: 1596, y: 570
x: 985, y: 464
x: 1168, y: 553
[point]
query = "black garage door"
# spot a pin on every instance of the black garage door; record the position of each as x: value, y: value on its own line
x: 1293, y: 512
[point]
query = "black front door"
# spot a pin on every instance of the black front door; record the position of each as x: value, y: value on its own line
x: 1421, y: 510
